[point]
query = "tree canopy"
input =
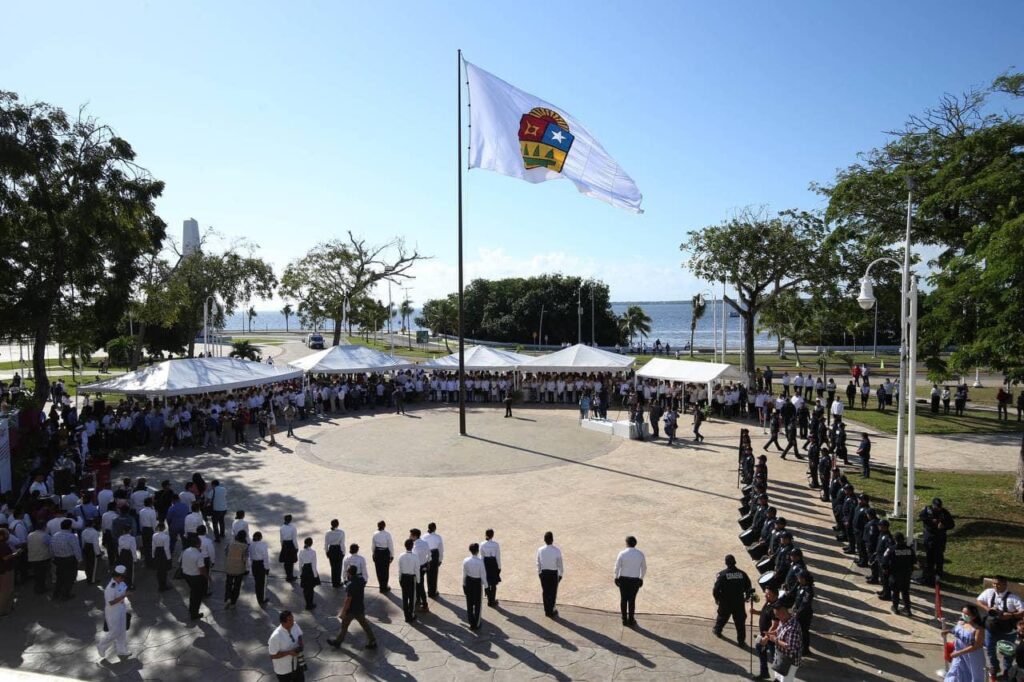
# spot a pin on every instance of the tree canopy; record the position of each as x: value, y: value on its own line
x: 509, y: 310
x: 76, y: 215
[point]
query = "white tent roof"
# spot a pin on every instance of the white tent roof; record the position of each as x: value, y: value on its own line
x: 188, y: 376
x: 578, y: 358
x: 687, y: 371
x: 349, y: 360
x: 480, y: 359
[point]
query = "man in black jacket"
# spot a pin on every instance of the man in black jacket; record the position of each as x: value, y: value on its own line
x: 731, y: 590
x: 937, y: 521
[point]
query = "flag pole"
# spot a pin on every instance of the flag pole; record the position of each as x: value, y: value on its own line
x: 462, y: 347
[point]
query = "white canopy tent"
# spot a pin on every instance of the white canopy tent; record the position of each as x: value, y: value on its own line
x: 688, y: 371
x: 578, y: 358
x: 480, y: 359
x: 350, y: 360
x: 189, y: 376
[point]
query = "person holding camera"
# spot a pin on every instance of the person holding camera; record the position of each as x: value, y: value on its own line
x: 1004, y: 610
x: 731, y: 591
x: 285, y: 648
x: 937, y: 522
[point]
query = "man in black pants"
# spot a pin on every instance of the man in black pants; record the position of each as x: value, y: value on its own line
x: 383, y: 555
x: 334, y: 544
x: 775, y: 426
x: 630, y: 567
x: 408, y: 573
x: 899, y: 560
x: 550, y: 570
x: 730, y: 592
x: 474, y: 582
x: 937, y: 521
x: 194, y: 568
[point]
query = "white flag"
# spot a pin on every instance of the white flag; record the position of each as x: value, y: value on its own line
x: 522, y: 136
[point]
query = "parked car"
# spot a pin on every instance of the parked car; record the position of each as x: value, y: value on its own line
x: 315, y: 341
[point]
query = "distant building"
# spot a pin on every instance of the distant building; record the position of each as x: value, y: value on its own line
x: 190, y: 237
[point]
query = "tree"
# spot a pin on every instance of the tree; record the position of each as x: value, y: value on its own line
x: 245, y: 350
x: 251, y: 315
x: 287, y: 312
x: 697, y: 310
x: 786, y: 317
x: 635, y: 321
x: 76, y: 214
x: 406, y: 310
x: 761, y: 256
x: 964, y: 158
x: 507, y: 310
x: 333, y: 271
x: 441, y: 316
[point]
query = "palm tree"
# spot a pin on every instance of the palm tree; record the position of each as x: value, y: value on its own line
x: 287, y: 312
x: 635, y: 321
x: 244, y: 349
x: 697, y: 311
x: 251, y: 315
x: 405, y: 308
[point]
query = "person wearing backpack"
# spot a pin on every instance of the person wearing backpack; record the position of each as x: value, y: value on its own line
x: 1003, y: 609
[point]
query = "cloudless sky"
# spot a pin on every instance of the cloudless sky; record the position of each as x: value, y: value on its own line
x: 290, y: 123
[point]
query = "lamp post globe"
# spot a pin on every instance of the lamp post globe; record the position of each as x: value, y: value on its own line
x: 866, y: 298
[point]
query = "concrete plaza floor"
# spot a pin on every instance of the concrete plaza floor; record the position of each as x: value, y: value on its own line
x: 522, y: 476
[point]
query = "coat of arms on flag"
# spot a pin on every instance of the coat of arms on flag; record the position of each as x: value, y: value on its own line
x: 545, y: 139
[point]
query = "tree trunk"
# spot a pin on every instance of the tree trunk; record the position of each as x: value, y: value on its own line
x: 692, y: 330
x: 337, y: 324
x: 42, y: 389
x: 137, y: 350
x: 796, y: 351
x: 286, y: 324
x: 748, y: 345
x: 1018, y: 491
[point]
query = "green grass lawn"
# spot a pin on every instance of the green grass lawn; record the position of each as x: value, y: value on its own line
x: 973, y: 421
x: 989, y: 535
x: 14, y: 364
x: 416, y: 352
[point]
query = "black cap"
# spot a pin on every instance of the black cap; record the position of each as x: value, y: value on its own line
x: 781, y: 520
x: 937, y: 502
x: 796, y: 553
x: 883, y: 522
x: 863, y: 496
x: 785, y: 534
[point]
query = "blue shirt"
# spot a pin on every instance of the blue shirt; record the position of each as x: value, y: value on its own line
x: 176, y: 516
x: 220, y: 499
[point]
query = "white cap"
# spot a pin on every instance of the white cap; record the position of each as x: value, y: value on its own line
x: 120, y: 570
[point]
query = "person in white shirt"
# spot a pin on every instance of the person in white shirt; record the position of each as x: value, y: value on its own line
x: 474, y: 581
x: 194, y: 569
x: 289, y: 548
x: 285, y: 646
x: 334, y: 548
x: 383, y: 554
x: 259, y: 562
x: 239, y: 524
x: 356, y: 559
x: 127, y: 553
x: 160, y: 555
x: 147, y: 527
x: 408, y: 576
x: 836, y: 411
x: 193, y: 520
x: 207, y: 549
x: 550, y: 570
x: 92, y: 550
x: 1009, y: 610
x: 422, y: 549
x: 115, y: 615
x: 490, y: 552
x: 309, y: 577
x: 436, y: 544
x: 630, y: 568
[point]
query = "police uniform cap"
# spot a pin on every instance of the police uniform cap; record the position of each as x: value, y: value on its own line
x: 937, y: 502
x: 883, y: 522
x: 785, y: 534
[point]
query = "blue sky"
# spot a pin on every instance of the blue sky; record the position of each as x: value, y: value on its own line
x: 289, y: 123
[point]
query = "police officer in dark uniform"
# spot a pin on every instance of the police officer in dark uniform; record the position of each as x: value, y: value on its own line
x: 803, y: 417
x: 813, y: 459
x: 860, y: 519
x: 868, y: 539
x: 774, y: 425
x: 796, y: 567
x: 839, y: 443
x: 850, y: 506
x: 825, y: 474
x: 766, y: 648
x: 782, y: 552
x: 791, y: 439
x: 788, y: 414
x: 937, y: 521
x: 900, y: 559
x: 747, y: 467
x: 883, y: 543
x: 731, y: 591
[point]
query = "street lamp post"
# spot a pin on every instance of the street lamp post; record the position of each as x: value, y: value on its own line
x: 593, y: 337
x: 540, y: 331
x: 579, y: 314
x: 908, y: 347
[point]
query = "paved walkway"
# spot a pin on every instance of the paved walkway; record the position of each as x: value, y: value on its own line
x: 520, y: 476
